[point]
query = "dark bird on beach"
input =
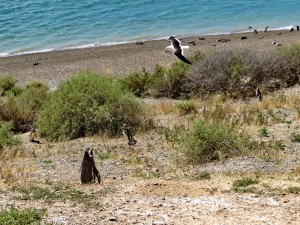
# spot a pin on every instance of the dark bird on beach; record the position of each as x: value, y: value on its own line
x: 178, y: 49
x: 266, y: 29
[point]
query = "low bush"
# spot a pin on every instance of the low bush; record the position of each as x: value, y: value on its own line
x: 238, y: 73
x: 186, y: 107
x: 161, y: 82
x: 6, y: 136
x: 21, y: 106
x: 14, y: 216
x: 8, y: 84
x: 210, y: 141
x: 89, y: 103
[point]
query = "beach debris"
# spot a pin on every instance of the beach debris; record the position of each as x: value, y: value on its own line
x: 243, y: 38
x: 113, y: 219
x: 35, y: 63
x: 178, y: 49
x: 292, y: 29
x: 192, y: 42
x: 260, y: 37
x: 201, y: 38
x: 266, y: 29
x: 274, y: 42
x: 272, y: 202
x: 139, y: 43
x: 278, y: 44
x: 255, y: 31
x: 223, y: 40
x: 297, y: 28
x: 213, y: 44
x: 279, y: 33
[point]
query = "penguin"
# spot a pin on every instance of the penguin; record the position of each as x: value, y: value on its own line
x: 89, y: 171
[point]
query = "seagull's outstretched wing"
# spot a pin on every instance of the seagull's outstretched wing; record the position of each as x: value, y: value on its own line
x: 178, y: 53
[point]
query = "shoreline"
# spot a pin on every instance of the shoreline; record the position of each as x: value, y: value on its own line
x: 59, y: 65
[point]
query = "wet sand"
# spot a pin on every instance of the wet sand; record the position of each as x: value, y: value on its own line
x: 57, y: 66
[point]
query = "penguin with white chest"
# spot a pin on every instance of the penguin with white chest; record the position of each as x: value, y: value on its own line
x: 89, y: 172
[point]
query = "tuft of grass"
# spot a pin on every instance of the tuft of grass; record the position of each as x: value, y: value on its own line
x: 294, y: 190
x: 244, y: 182
x: 295, y: 137
x: 61, y: 193
x: 14, y: 216
x: 202, y: 176
x: 186, y: 107
x: 210, y: 141
x: 242, y: 185
x: 88, y: 104
x: 263, y: 132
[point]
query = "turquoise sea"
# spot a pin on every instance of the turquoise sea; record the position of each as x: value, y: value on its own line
x: 43, y: 25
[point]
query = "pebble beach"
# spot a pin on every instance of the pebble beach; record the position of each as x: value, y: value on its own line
x: 54, y: 67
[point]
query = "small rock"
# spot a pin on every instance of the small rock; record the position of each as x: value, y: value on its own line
x: 243, y: 38
x: 113, y: 219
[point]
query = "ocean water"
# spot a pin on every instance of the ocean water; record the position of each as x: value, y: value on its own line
x: 43, y: 25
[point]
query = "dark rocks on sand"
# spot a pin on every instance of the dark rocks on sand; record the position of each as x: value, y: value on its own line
x: 243, y: 38
x: 201, y: 38
x: 279, y: 33
x: 255, y: 31
x: 35, y: 63
x: 192, y: 42
x: 223, y: 40
x: 260, y: 37
x: 139, y: 43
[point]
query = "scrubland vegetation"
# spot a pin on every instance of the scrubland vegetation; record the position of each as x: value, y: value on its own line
x: 90, y: 104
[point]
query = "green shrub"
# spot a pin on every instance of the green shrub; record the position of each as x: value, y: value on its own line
x: 6, y: 137
x: 14, y: 216
x: 210, y: 141
x: 89, y: 103
x: 294, y: 190
x: 263, y: 132
x: 138, y: 82
x: 186, y: 107
x: 201, y: 176
x: 7, y: 83
x: 244, y: 182
x: 173, y: 83
x: 295, y: 137
x: 161, y: 82
x: 21, y: 109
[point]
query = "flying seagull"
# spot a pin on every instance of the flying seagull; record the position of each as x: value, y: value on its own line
x: 178, y: 49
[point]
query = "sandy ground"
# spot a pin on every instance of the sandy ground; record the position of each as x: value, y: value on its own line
x: 57, y: 66
x: 142, y: 185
